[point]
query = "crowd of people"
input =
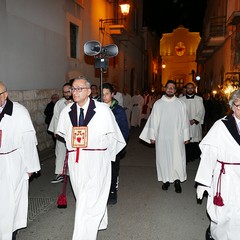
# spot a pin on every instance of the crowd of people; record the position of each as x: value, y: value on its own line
x: 91, y: 130
x: 175, y: 121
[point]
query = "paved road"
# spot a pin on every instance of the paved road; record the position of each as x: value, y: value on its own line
x: 143, y: 212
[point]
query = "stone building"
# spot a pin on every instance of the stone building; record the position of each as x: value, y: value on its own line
x: 218, y: 55
x: 42, y: 43
x: 178, y: 53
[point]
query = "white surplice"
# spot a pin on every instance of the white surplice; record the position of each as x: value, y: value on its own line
x: 219, y: 144
x: 18, y: 157
x: 127, y: 105
x: 195, y: 110
x: 168, y: 125
x: 91, y: 176
x: 60, y: 148
x: 137, y: 104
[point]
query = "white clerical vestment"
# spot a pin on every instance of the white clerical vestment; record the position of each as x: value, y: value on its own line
x: 219, y: 145
x: 137, y: 104
x: 195, y: 110
x: 168, y: 125
x: 18, y: 157
x: 60, y: 148
x: 127, y: 105
x: 91, y: 175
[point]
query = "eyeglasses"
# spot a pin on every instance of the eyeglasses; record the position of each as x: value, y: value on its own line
x: 2, y: 93
x: 78, y: 89
x: 237, y: 106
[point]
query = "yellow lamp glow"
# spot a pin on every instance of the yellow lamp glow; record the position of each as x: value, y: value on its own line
x: 125, y: 8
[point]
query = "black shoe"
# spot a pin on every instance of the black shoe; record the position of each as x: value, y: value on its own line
x: 165, y: 186
x: 208, y: 234
x: 112, y: 199
x: 14, y: 234
x: 177, y: 186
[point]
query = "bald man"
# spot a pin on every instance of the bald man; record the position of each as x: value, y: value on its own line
x: 18, y: 160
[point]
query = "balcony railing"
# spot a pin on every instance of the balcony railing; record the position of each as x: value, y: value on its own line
x: 213, y: 37
x: 216, y: 27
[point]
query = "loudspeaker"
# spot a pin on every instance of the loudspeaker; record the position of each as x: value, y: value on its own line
x: 92, y: 48
x: 109, y: 51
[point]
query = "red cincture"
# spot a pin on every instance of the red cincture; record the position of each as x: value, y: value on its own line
x: 85, y: 149
x: 218, y: 200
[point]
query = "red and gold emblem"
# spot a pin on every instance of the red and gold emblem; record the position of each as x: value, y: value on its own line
x: 180, y: 48
x: 80, y: 137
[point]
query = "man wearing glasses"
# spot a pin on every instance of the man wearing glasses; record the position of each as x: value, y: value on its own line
x: 219, y: 173
x: 18, y: 160
x: 93, y: 140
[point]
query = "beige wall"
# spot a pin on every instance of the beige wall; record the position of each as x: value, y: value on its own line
x: 35, y: 61
x: 179, y: 67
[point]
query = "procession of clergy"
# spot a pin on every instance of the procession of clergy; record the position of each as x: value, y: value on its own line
x: 93, y: 138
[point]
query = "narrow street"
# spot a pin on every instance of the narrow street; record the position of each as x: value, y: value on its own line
x: 143, y: 212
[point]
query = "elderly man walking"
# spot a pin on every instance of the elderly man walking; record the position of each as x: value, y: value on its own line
x: 93, y: 139
x: 18, y: 160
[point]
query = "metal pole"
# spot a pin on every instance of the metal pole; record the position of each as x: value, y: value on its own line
x: 101, y: 71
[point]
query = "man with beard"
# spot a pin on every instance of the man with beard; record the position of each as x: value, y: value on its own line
x: 60, y: 148
x: 196, y: 112
x: 168, y: 128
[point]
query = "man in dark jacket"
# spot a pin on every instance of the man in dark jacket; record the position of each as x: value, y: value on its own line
x: 121, y: 118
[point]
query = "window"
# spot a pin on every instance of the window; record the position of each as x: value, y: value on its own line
x: 73, y: 40
x: 74, y: 37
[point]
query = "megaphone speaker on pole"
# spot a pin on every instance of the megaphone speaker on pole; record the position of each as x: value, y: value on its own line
x: 92, y: 48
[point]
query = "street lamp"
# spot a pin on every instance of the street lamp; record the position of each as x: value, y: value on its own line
x: 125, y: 8
x: 198, y: 78
x: 101, y: 55
x: 163, y: 65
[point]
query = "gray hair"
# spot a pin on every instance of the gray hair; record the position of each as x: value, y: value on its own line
x: 88, y: 84
x: 4, y: 85
x: 234, y: 96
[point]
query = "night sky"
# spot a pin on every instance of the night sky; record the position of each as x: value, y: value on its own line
x: 172, y: 13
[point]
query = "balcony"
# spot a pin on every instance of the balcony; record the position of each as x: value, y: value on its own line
x: 234, y: 19
x: 116, y: 28
x: 119, y: 32
x: 213, y: 38
x: 216, y: 30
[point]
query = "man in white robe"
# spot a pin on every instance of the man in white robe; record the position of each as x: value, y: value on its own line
x: 168, y: 127
x: 146, y: 109
x: 118, y: 95
x: 18, y: 160
x: 137, y: 104
x: 196, y: 112
x: 219, y: 174
x: 90, y: 166
x: 60, y: 148
x: 127, y: 104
